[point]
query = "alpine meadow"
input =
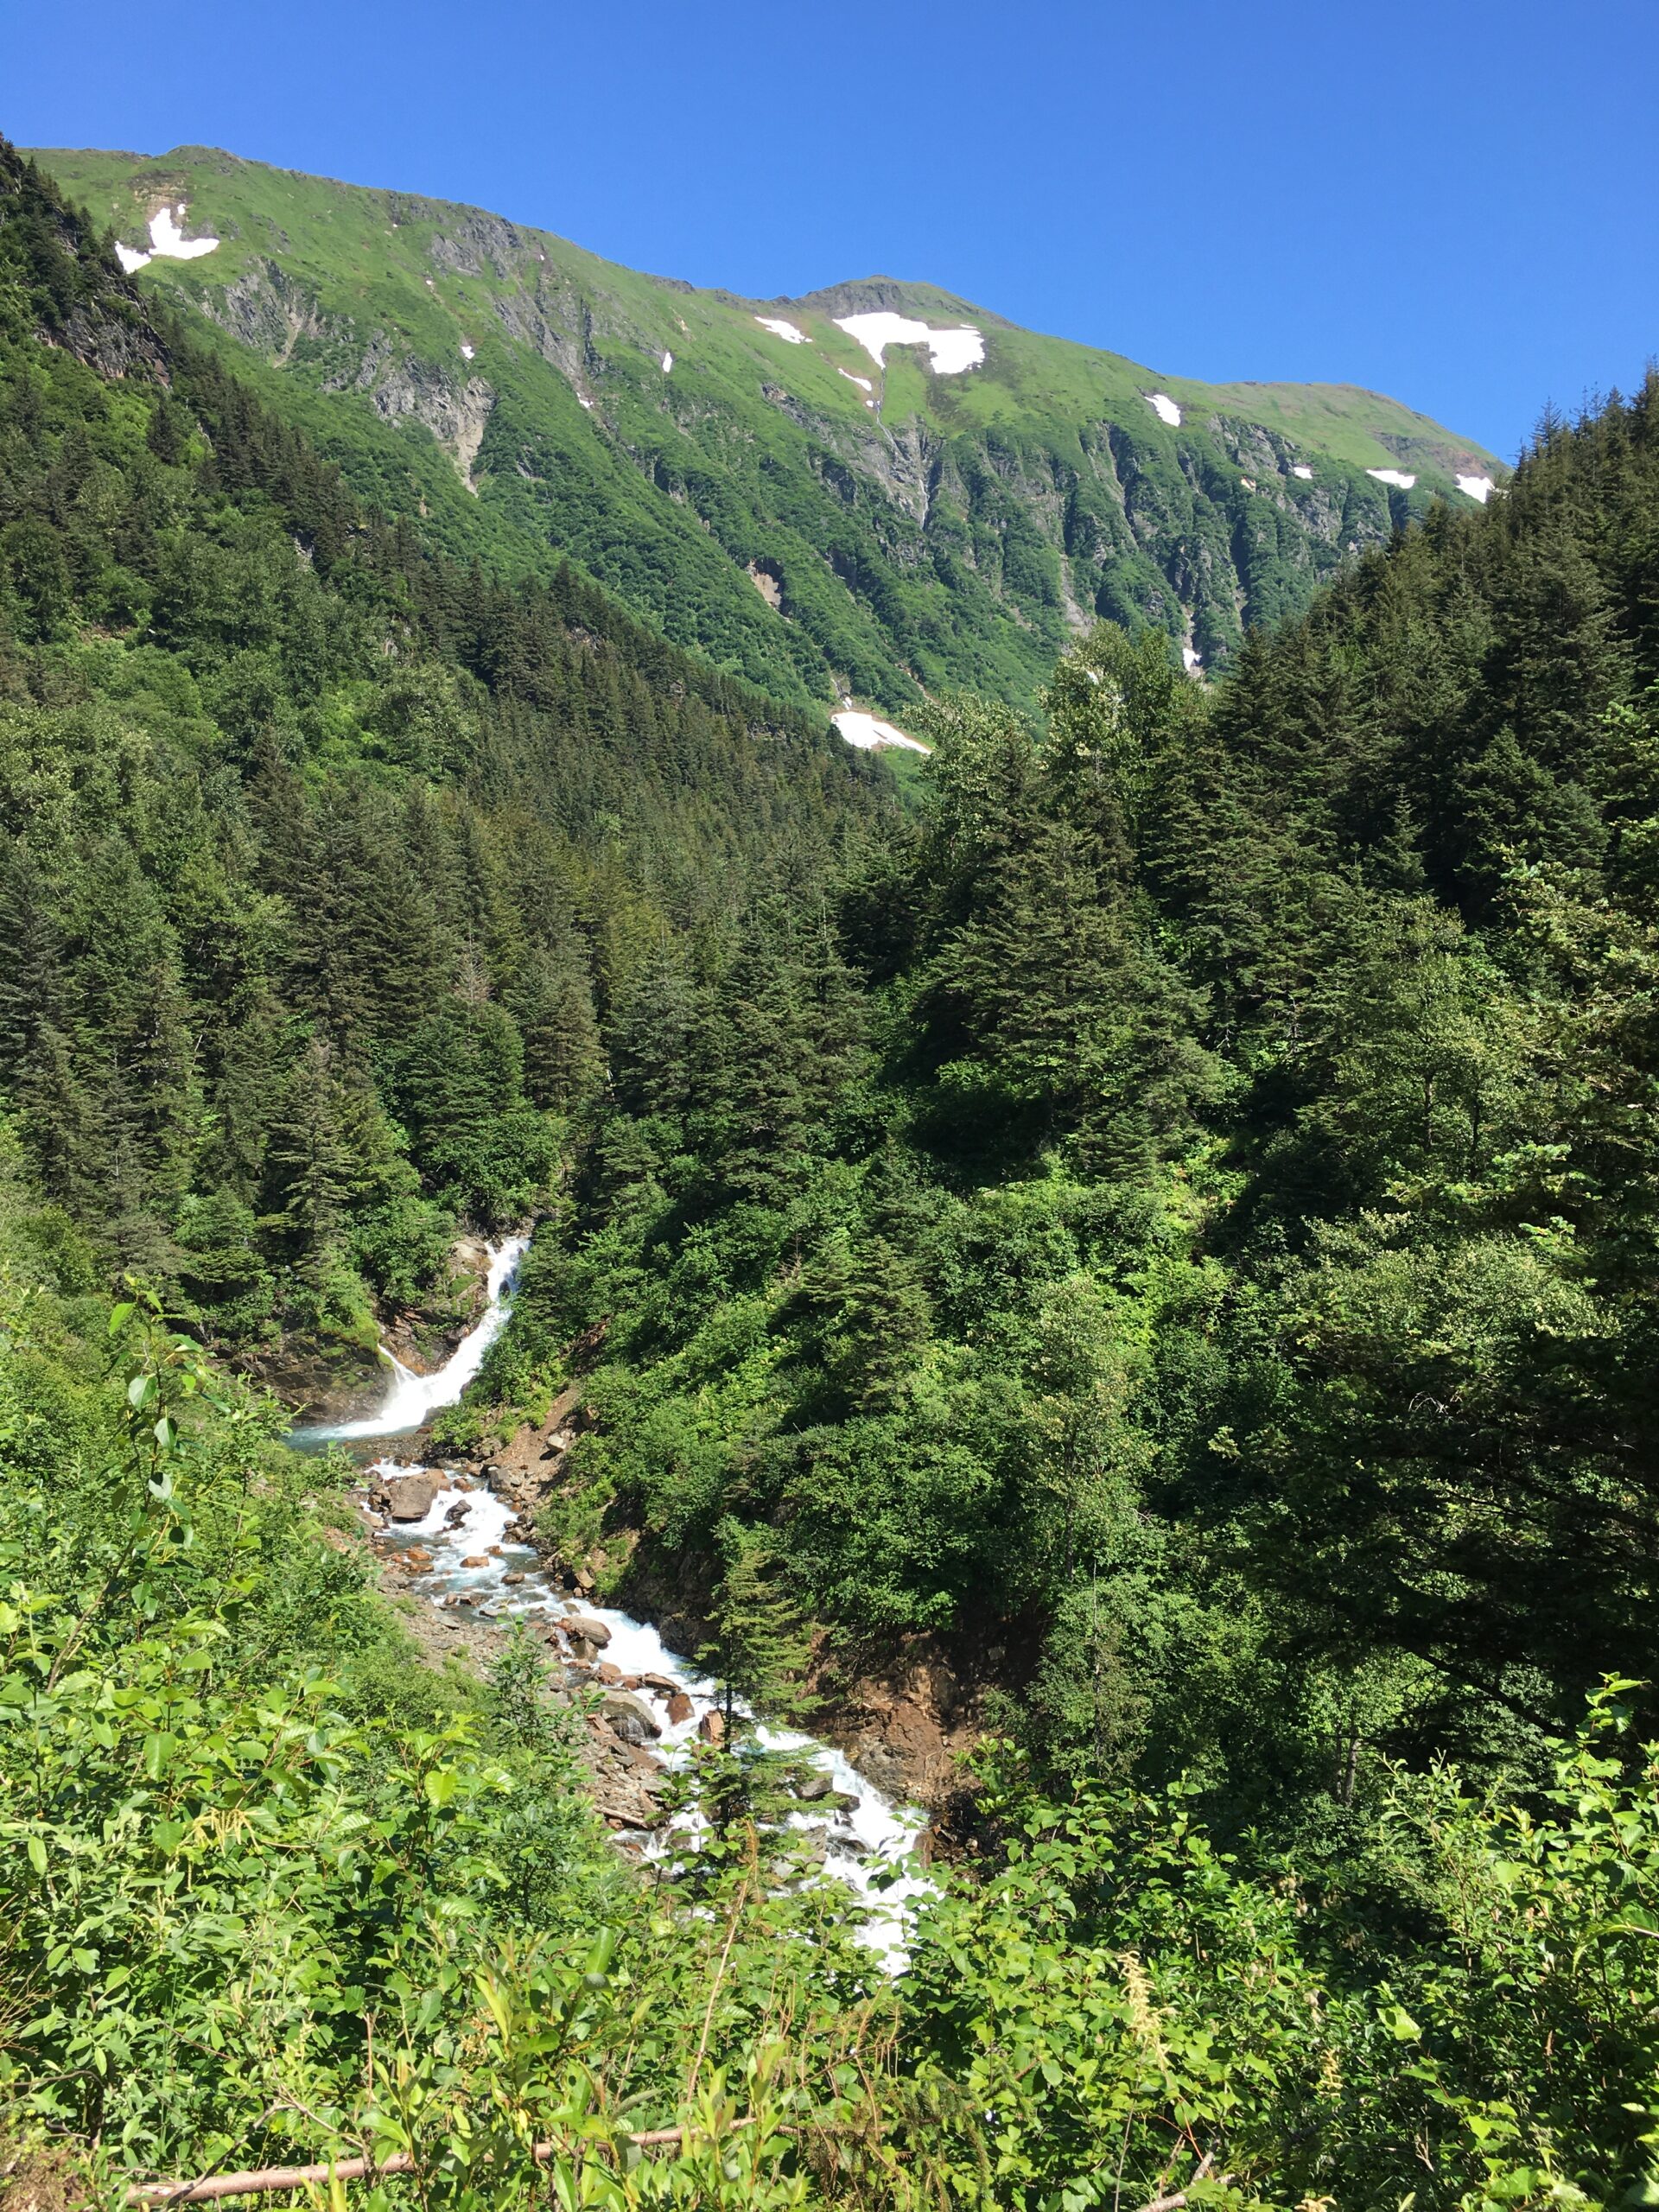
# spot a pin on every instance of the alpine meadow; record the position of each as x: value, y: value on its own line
x: 829, y: 1246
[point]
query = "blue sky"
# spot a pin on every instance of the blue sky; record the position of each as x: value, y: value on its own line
x: 1455, y: 203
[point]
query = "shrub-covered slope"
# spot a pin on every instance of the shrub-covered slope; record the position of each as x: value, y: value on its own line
x: 810, y: 519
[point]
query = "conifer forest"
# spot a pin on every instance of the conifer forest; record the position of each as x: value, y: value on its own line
x: 1107, y: 1274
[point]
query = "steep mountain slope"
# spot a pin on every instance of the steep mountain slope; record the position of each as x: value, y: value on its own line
x: 822, y: 508
x: 288, y: 805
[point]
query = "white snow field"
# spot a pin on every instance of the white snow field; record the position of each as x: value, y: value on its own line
x: 1401, y: 481
x: 668, y: 363
x: 167, y: 243
x: 1302, y: 470
x: 863, y: 383
x: 1164, y: 408
x: 787, y: 331
x: 1477, y: 487
x: 867, y: 733
x: 952, y: 350
x: 466, y: 352
x: 1190, y: 659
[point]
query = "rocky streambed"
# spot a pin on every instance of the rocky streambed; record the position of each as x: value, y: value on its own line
x: 457, y: 1540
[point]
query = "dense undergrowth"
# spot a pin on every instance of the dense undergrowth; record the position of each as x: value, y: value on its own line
x: 1175, y: 1230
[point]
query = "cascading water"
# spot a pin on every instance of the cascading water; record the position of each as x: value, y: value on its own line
x: 867, y: 1834
x: 413, y: 1399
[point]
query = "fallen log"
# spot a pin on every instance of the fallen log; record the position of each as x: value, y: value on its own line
x: 267, y: 2181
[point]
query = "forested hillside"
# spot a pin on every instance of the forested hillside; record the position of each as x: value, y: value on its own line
x: 1191, y: 1227
x: 821, y: 512
x: 321, y: 853
x: 1164, y: 1235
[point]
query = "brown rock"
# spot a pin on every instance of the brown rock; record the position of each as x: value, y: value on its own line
x: 475, y: 1559
x: 712, y: 1727
x: 584, y: 1626
x: 610, y: 1675
x: 631, y: 1718
x: 513, y: 1580
x: 410, y: 1497
x: 679, y: 1707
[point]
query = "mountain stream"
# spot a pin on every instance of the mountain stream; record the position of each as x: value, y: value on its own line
x: 863, y: 1831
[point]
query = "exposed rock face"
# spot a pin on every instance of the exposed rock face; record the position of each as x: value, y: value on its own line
x: 456, y: 413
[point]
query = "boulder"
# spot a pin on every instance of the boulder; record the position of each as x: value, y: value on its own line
x: 680, y: 1707
x: 712, y: 1727
x: 611, y: 1677
x: 513, y: 1580
x: 410, y: 1497
x: 815, y: 1786
x: 475, y: 1559
x: 629, y: 1717
x: 590, y: 1631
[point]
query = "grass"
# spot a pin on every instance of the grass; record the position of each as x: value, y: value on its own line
x: 953, y: 538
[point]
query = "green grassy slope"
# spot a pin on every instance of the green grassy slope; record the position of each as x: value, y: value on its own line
x: 930, y: 530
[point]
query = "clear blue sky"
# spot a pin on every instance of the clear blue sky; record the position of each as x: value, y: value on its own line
x: 1455, y: 203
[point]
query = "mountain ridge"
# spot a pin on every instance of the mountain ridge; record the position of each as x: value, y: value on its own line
x: 833, y: 523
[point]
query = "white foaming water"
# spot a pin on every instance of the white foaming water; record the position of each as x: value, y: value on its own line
x: 413, y: 1399
x: 870, y: 1836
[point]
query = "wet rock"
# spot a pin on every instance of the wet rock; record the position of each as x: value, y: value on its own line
x: 815, y: 1786
x: 712, y: 1727
x: 513, y: 1580
x: 590, y: 1631
x: 631, y: 1718
x: 612, y: 1675
x: 410, y: 1497
x: 680, y: 1707
x: 475, y: 1559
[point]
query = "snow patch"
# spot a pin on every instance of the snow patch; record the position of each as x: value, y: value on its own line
x: 787, y: 331
x: 1249, y: 482
x: 1477, y: 487
x: 1164, y: 408
x: 863, y: 383
x: 587, y: 404
x: 1302, y: 470
x: 867, y: 733
x: 1190, y: 659
x: 466, y: 353
x: 952, y: 351
x: 1394, y: 476
x: 668, y: 363
x: 167, y: 243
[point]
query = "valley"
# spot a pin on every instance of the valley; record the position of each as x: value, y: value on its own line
x: 788, y: 1086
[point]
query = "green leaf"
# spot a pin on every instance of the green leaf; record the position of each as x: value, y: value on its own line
x: 37, y: 1854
